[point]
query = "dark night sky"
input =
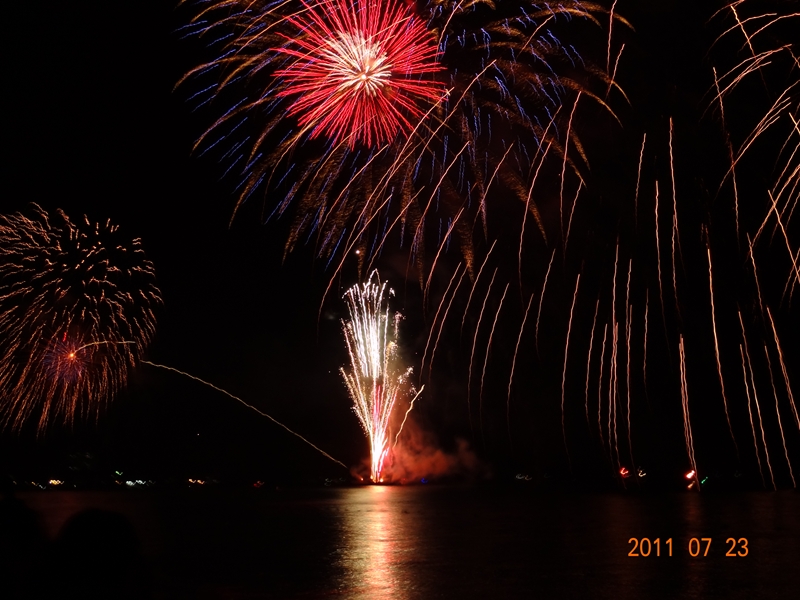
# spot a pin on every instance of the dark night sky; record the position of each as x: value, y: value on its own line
x: 92, y: 125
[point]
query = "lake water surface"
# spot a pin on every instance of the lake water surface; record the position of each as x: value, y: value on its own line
x: 421, y: 542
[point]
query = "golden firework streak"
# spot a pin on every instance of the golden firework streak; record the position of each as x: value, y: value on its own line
x: 250, y: 406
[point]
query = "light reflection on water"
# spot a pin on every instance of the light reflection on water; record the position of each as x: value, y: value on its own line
x: 420, y: 542
x: 376, y: 545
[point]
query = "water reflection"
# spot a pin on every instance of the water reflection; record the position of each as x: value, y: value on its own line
x: 379, y: 544
x: 420, y: 542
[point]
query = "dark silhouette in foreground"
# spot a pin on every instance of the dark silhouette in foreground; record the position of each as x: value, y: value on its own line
x: 22, y: 543
x: 97, y: 555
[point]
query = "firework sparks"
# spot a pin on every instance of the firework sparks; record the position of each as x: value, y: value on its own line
x: 375, y: 378
x: 687, y: 424
x: 75, y: 315
x: 750, y: 413
x: 760, y: 418
x: 783, y: 368
x: 564, y: 373
x: 628, y: 324
x: 514, y: 364
x: 541, y: 299
x: 613, y: 383
x: 475, y: 283
x: 355, y: 70
x: 644, y: 340
x: 442, y: 322
x: 250, y: 406
x: 716, y: 352
x: 589, y: 357
x: 475, y: 344
x: 342, y: 105
x: 600, y: 387
x: 564, y: 168
x: 492, y: 119
x: 778, y: 414
x: 675, y: 233
x: 488, y: 348
x: 638, y: 180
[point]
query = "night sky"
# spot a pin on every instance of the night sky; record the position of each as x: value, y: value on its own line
x: 94, y: 126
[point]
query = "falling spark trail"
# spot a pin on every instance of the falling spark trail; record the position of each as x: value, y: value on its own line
x: 436, y: 317
x: 353, y: 243
x: 482, y: 211
x: 614, y: 393
x: 792, y: 280
x: 354, y: 239
x: 675, y: 233
x: 716, y: 351
x: 405, y: 417
x: 530, y: 193
x: 445, y: 239
x: 541, y: 299
x: 687, y: 424
x: 475, y: 343
x: 772, y: 117
x: 419, y: 230
x: 514, y: 364
x: 444, y: 320
x: 741, y: 26
x: 486, y: 358
x: 613, y: 81
x: 778, y: 414
x: 638, y: 180
x: 628, y: 318
x: 785, y: 236
x: 644, y: 344
x: 660, y: 278
x: 589, y: 359
x: 571, y: 213
x: 474, y: 285
x: 250, y: 406
x: 730, y: 153
x: 564, y: 167
x: 783, y: 368
x: 760, y: 418
x: 610, y: 31
x: 564, y: 373
x: 527, y: 208
x: 600, y: 390
x: 613, y: 387
x: 755, y: 275
x: 750, y: 413
x: 755, y: 399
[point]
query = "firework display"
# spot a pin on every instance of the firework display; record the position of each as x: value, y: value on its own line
x: 76, y: 314
x: 687, y: 279
x: 392, y: 118
x: 589, y: 219
x: 375, y: 378
x: 490, y: 152
x: 641, y: 294
x: 354, y: 70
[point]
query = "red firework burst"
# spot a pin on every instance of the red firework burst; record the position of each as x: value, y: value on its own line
x: 357, y: 69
